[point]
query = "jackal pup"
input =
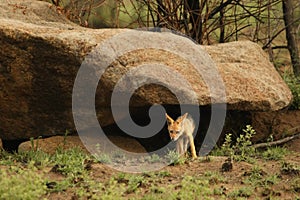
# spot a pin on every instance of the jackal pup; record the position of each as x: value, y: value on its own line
x: 181, y: 130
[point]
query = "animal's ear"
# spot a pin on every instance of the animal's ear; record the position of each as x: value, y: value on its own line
x: 181, y: 118
x: 169, y: 119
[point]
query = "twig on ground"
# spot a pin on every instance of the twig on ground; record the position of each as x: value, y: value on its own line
x: 277, y: 142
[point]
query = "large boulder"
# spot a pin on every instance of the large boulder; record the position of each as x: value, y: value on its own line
x: 252, y: 82
x: 41, y: 53
x: 52, y: 144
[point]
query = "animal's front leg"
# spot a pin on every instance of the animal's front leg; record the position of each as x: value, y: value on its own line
x: 192, y: 145
x: 186, y: 144
x: 179, y: 146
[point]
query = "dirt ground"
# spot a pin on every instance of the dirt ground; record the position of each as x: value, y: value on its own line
x: 227, y: 182
x: 231, y: 180
x: 286, y: 187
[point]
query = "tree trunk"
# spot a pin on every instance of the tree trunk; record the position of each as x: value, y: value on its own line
x: 287, y: 8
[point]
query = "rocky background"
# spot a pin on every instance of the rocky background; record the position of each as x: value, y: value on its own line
x: 41, y: 52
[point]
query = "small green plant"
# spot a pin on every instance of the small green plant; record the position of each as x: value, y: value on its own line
x: 153, y: 158
x: 296, y: 185
x: 270, y: 193
x: 103, y: 158
x: 193, y: 188
x: 67, y: 132
x: 226, y: 149
x: 214, y: 177
x: 35, y: 147
x: 174, y: 158
x: 89, y: 189
x: 32, y: 143
x: 241, y: 150
x: 158, y: 190
x: 135, y: 182
x: 35, y: 158
x: 163, y: 174
x: 220, y: 191
x: 59, y: 186
x: 118, y: 157
x: 20, y: 183
x: 70, y: 162
x: 241, y: 192
x: 257, y: 177
x: 271, y: 179
x: 6, y: 158
x: 290, y: 169
x: 131, y: 182
x: 112, y: 190
x: 274, y: 153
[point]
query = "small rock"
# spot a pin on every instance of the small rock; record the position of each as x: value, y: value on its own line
x: 227, y: 165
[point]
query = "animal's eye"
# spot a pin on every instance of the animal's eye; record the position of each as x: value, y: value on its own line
x: 177, y: 132
x: 171, y: 131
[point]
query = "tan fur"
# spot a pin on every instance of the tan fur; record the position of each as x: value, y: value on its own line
x: 181, y: 131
